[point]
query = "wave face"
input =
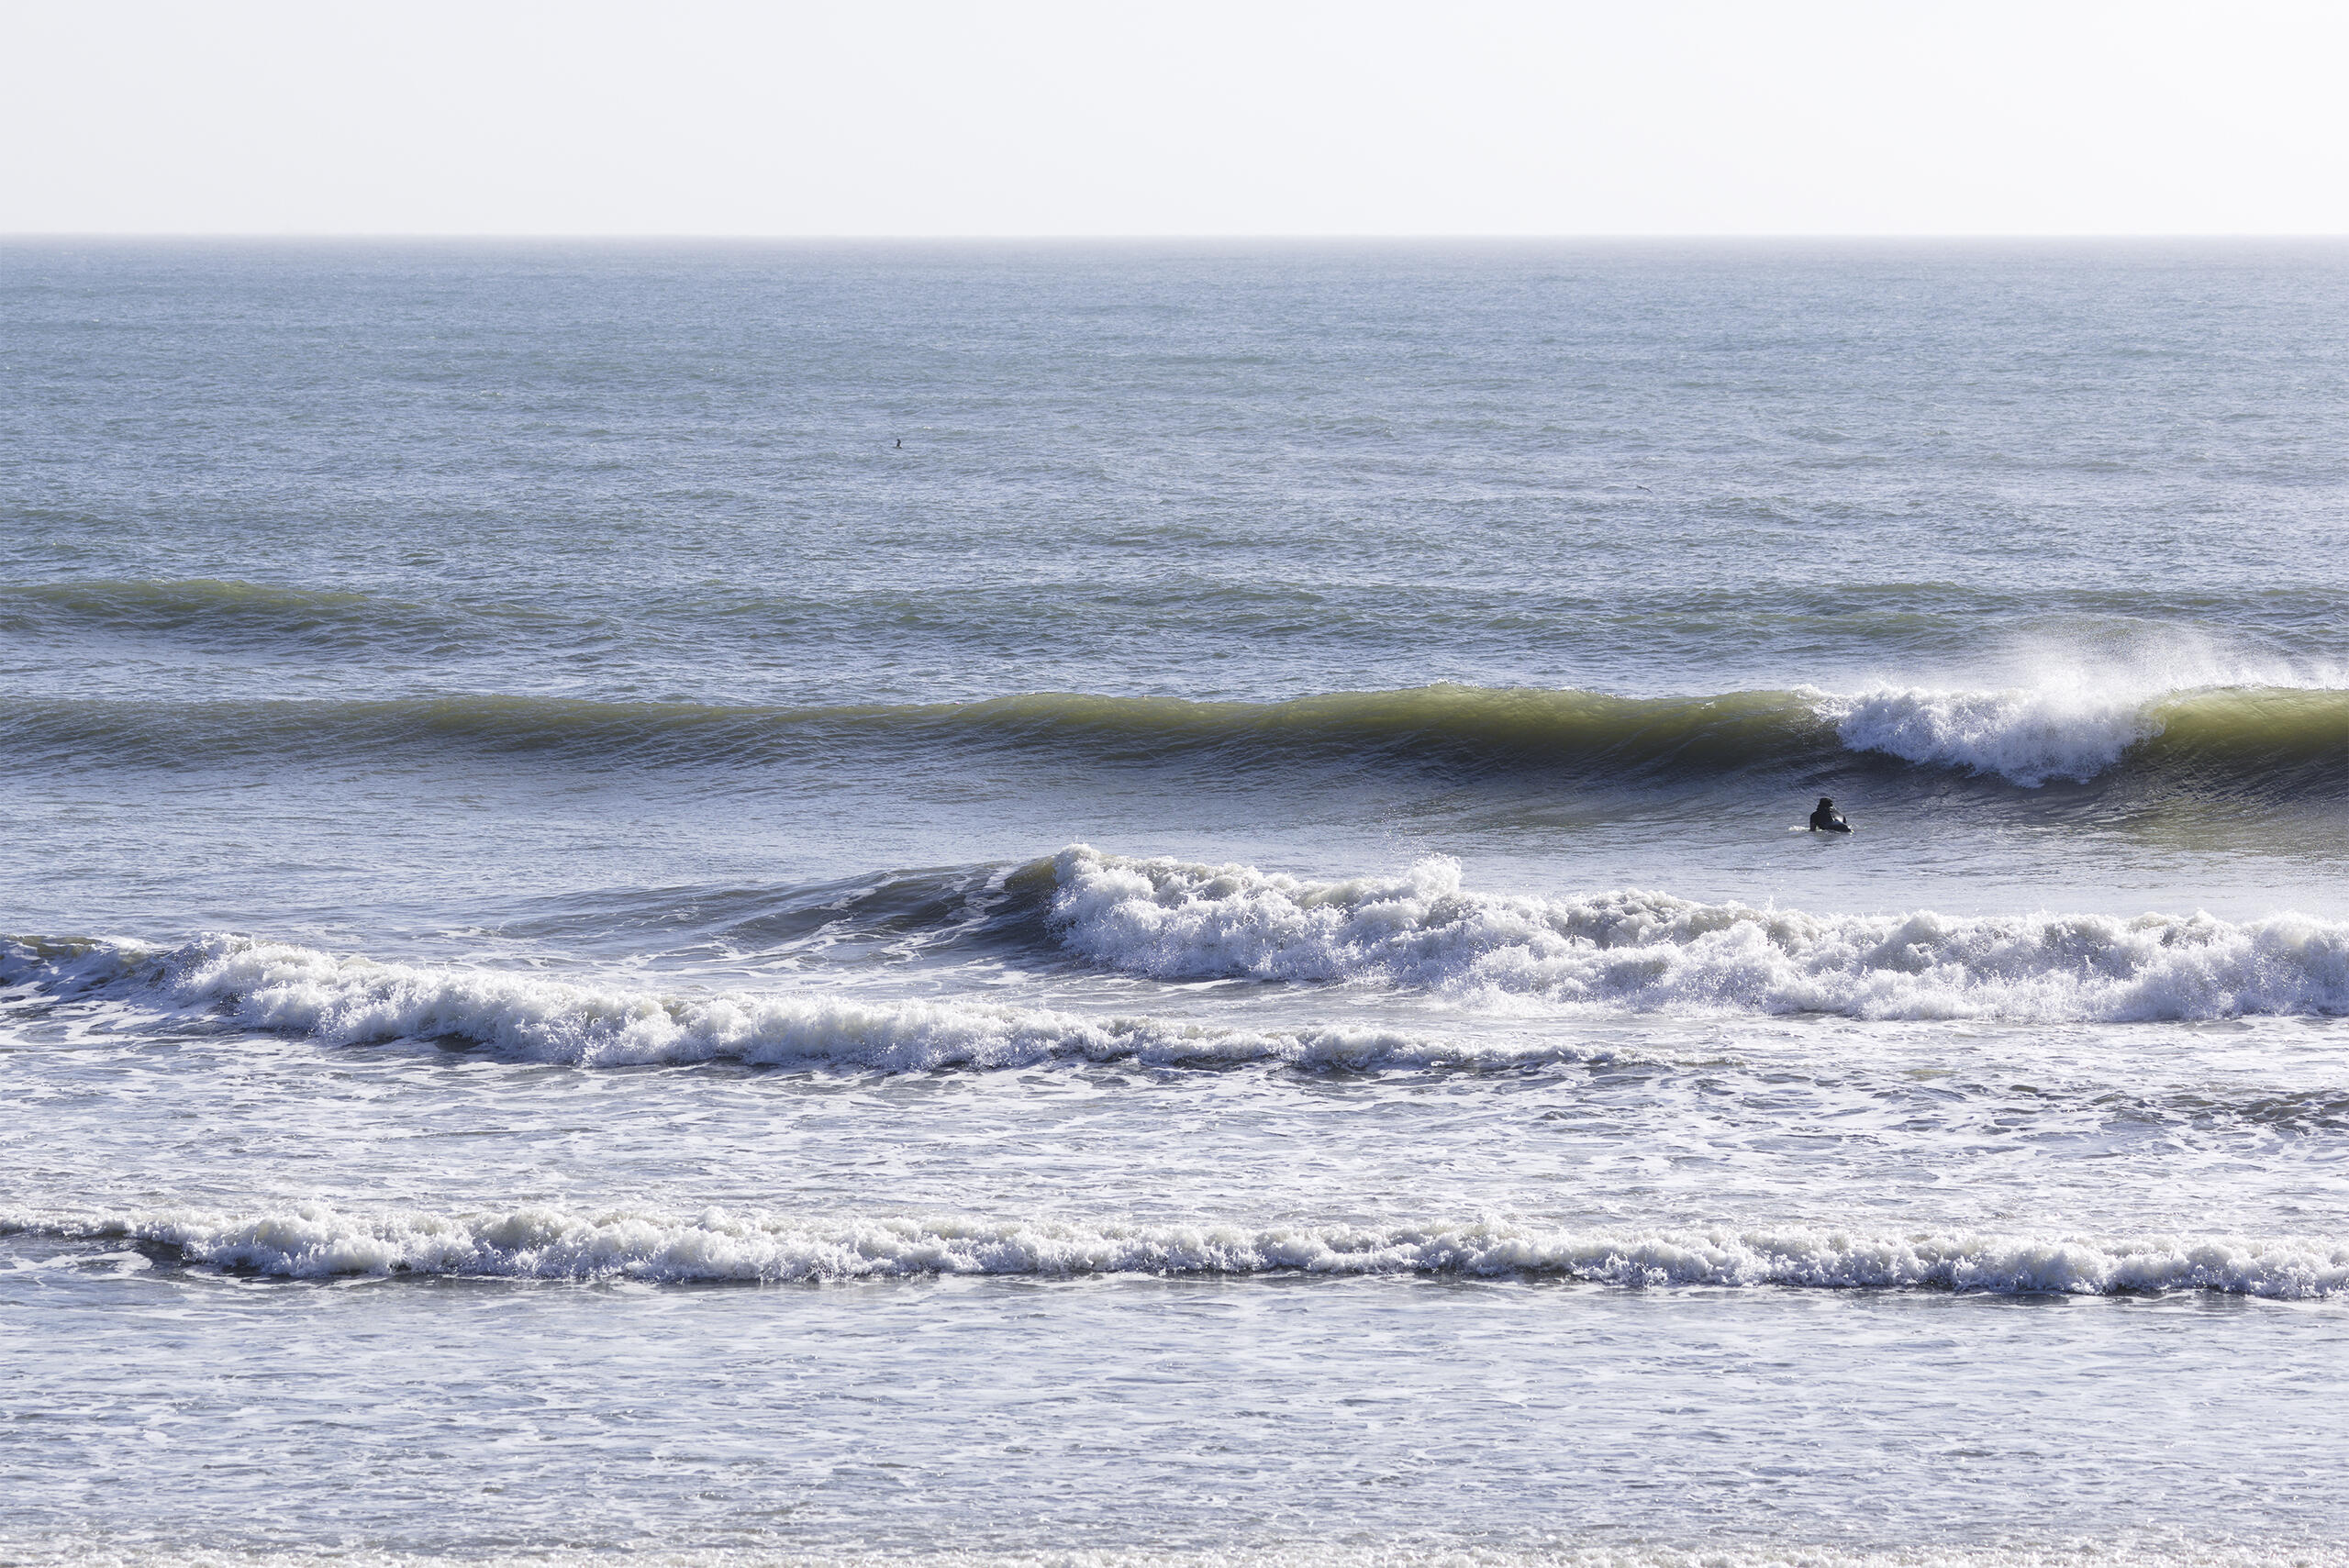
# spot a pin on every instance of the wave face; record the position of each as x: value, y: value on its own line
x: 1651, y: 952
x: 2270, y: 741
x: 316, y: 1240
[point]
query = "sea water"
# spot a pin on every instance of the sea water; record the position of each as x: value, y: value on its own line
x: 1151, y: 903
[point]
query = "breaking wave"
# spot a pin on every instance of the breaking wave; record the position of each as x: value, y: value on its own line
x: 318, y: 1240
x: 1533, y: 957
x: 1652, y: 953
x: 344, y: 1001
x: 2268, y: 738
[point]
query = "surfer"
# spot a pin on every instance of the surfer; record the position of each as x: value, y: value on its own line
x: 1827, y: 819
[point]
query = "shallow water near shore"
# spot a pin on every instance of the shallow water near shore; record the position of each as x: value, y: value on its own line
x: 1214, y: 957
x: 894, y: 1417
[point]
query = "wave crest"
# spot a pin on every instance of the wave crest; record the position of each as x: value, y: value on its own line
x: 2026, y: 737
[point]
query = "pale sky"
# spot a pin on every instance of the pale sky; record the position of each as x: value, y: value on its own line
x: 1036, y: 118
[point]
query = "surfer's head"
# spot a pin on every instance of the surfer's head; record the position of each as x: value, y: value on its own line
x: 1825, y: 804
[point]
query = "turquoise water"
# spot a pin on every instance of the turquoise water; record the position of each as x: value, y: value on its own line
x: 1213, y: 955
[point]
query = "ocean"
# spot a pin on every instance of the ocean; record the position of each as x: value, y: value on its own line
x: 1139, y: 903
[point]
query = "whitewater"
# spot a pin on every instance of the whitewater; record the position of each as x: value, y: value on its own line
x: 1167, y: 921
x: 313, y: 1240
x: 1017, y: 905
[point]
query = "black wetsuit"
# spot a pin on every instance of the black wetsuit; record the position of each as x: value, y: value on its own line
x: 1827, y: 819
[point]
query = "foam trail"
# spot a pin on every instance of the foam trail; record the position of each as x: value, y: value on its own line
x: 1632, y: 951
x: 317, y: 1241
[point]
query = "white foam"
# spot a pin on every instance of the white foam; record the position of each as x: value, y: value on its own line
x: 2027, y: 735
x: 2110, y: 1548
x: 1652, y: 953
x: 348, y: 1000
x: 2065, y: 713
x: 1612, y: 953
x: 317, y: 1240
x: 1432, y: 1549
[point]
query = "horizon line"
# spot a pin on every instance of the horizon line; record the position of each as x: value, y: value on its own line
x: 1232, y: 237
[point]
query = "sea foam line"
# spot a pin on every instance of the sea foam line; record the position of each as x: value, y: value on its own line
x: 317, y: 1240
x: 1434, y: 1549
x: 1640, y: 951
x: 1431, y: 1548
x: 285, y: 988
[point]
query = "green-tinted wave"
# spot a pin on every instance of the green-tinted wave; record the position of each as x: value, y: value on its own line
x: 2261, y: 741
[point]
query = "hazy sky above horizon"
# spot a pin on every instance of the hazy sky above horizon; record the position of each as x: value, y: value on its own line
x: 1037, y: 117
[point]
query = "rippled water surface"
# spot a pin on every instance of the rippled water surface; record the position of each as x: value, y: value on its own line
x: 839, y: 901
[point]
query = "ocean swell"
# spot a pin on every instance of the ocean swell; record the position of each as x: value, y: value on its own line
x: 2282, y: 741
